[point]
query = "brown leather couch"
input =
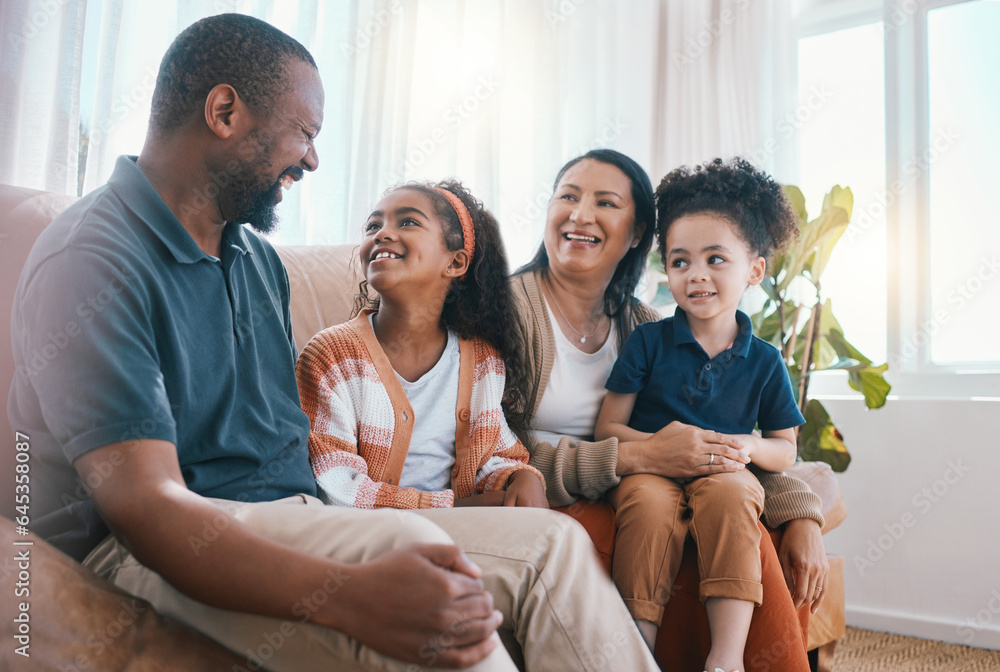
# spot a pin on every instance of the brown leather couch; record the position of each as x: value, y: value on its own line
x: 68, y: 603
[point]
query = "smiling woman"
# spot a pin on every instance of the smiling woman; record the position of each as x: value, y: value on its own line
x: 594, y: 214
x: 599, y: 229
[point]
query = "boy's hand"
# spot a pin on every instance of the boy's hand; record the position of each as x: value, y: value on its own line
x: 774, y: 450
x: 524, y: 488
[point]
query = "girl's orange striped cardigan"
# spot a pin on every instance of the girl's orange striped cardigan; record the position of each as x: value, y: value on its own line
x: 362, y: 421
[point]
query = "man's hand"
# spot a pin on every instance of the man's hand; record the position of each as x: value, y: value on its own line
x: 682, y: 451
x: 803, y: 562
x: 524, y: 488
x: 434, y: 611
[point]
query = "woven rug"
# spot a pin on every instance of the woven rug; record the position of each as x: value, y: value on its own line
x: 868, y: 651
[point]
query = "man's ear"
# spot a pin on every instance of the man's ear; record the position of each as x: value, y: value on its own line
x: 223, y: 110
x: 459, y: 265
x: 758, y: 267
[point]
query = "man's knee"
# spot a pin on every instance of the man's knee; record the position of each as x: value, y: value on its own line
x: 535, y: 533
x: 405, y: 527
x: 383, y: 530
x: 557, y: 532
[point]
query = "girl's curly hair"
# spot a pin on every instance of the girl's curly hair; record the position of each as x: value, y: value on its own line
x: 478, y: 305
x: 749, y: 198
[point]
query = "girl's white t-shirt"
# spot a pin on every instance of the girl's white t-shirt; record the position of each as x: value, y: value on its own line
x: 433, y: 397
x: 575, y: 391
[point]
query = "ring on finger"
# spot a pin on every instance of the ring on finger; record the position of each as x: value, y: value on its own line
x: 711, y: 458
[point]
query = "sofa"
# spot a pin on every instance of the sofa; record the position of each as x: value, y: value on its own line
x: 68, y: 604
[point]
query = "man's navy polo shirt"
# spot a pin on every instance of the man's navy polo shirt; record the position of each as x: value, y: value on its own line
x: 124, y: 329
x: 738, y: 389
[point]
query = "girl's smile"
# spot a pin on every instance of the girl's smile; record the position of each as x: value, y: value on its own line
x: 383, y: 254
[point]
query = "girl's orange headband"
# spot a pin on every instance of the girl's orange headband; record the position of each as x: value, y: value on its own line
x: 468, y: 231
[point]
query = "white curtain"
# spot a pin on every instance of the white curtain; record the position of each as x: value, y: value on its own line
x: 39, y: 101
x: 499, y: 93
x: 726, y: 82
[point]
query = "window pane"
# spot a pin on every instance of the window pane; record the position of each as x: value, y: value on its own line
x: 961, y: 156
x: 841, y: 124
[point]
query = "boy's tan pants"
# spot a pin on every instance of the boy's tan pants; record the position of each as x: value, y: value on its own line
x: 540, y: 566
x: 655, y: 514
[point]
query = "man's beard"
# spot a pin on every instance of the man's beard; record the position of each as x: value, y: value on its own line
x: 253, y: 198
x: 256, y: 206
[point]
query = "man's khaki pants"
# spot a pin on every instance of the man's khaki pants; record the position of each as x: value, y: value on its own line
x: 540, y: 566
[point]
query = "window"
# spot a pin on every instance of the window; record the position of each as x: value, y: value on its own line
x: 841, y: 79
x: 908, y: 125
x: 963, y: 145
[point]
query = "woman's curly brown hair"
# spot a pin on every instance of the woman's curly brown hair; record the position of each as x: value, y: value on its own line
x: 749, y: 198
x: 478, y: 305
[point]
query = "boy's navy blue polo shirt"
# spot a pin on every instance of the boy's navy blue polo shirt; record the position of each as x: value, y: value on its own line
x: 741, y: 388
x: 124, y: 329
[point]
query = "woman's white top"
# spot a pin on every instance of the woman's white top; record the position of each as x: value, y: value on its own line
x: 575, y: 391
x: 433, y: 397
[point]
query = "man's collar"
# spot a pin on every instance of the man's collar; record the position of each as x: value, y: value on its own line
x: 741, y: 346
x: 134, y: 189
x: 235, y: 235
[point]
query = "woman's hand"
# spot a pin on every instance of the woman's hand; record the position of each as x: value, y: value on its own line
x: 803, y: 561
x: 524, y: 488
x: 682, y: 451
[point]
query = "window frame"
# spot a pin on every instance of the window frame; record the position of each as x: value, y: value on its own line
x: 907, y: 135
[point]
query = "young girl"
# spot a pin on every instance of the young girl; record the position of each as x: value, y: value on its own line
x: 703, y: 367
x: 407, y: 400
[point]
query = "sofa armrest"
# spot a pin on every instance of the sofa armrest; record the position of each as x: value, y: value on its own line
x: 821, y: 480
x: 76, y: 620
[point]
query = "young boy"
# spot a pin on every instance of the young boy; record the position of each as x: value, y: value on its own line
x: 704, y: 367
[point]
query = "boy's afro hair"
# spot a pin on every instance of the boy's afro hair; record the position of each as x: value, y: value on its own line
x: 749, y: 198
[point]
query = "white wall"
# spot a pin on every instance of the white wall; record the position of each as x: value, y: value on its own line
x: 921, y: 542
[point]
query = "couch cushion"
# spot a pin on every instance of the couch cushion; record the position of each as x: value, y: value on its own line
x: 324, y: 281
x: 77, y: 621
x: 24, y: 213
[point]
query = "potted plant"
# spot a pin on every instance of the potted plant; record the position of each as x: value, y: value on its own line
x: 800, y: 323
